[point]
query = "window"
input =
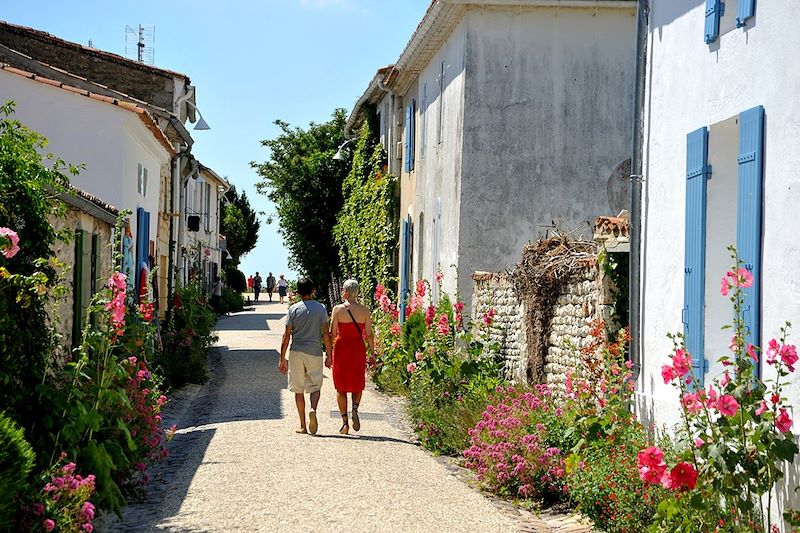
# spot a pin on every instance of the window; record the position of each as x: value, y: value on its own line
x: 724, y: 16
x: 441, y: 104
x: 422, y: 119
x: 142, y: 180
x: 410, y: 134
x: 721, y: 208
x: 208, y: 206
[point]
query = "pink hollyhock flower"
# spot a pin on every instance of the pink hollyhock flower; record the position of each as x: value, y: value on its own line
x: 762, y: 408
x: 444, y: 324
x: 775, y: 399
x: 773, y: 350
x: 395, y: 328
x: 430, y: 314
x: 439, y: 276
x: 421, y: 287
x: 411, y: 367
x: 379, y: 290
x: 711, y: 395
x: 488, y: 316
x: 628, y: 364
x: 459, y: 306
x: 683, y: 476
x: 49, y: 525
x: 117, y: 281
x: 10, y: 248
x: 386, y: 303
x: 668, y: 373
x: 418, y: 356
x: 650, y: 456
x: 726, y: 378
x: 751, y: 351
x: 783, y: 422
x: 725, y: 286
x: 727, y: 405
x: 698, y: 442
x: 744, y: 278
x: 691, y: 402
x: 650, y: 463
x: 789, y: 356
x: 416, y: 302
x: 681, y: 362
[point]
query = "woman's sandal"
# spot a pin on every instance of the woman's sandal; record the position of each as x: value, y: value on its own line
x: 345, y: 429
x: 356, y: 421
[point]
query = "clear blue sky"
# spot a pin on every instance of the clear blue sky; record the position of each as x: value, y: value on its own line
x: 252, y: 62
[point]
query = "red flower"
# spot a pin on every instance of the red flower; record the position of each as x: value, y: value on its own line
x: 683, y: 477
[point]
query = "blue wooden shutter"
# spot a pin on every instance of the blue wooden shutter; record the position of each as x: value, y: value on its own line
x: 142, y: 247
x: 405, y: 240
x: 413, y: 142
x: 407, y: 144
x: 713, y: 12
x: 747, y: 8
x: 748, y: 215
x: 697, y: 172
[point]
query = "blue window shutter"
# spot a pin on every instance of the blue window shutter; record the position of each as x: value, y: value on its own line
x: 713, y: 12
x: 697, y: 173
x: 747, y: 8
x: 405, y: 240
x: 413, y: 141
x: 748, y: 215
x: 407, y: 146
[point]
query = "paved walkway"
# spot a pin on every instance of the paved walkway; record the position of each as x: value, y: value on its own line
x: 237, y: 464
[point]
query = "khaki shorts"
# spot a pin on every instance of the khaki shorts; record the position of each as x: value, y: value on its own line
x: 305, y: 372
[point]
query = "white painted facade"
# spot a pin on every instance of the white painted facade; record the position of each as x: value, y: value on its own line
x: 522, y: 113
x: 689, y: 85
x: 111, y: 142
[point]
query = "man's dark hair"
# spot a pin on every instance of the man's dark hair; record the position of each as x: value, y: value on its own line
x: 305, y: 286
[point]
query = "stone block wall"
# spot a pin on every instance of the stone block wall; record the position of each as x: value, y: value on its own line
x: 580, y: 301
x: 495, y: 290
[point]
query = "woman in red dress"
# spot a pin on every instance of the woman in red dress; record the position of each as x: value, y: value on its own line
x: 350, y: 327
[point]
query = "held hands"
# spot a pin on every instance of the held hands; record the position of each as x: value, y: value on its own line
x: 371, y: 361
x: 282, y: 365
x: 328, y: 361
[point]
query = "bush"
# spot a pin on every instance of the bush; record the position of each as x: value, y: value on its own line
x: 187, y: 338
x: 16, y: 462
x: 235, y: 279
x: 604, y: 483
x: 231, y: 301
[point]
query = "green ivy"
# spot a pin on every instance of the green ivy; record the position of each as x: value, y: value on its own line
x: 366, y: 227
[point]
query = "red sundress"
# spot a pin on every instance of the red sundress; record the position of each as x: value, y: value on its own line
x: 349, y: 358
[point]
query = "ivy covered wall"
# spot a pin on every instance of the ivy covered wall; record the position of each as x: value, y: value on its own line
x: 366, y: 228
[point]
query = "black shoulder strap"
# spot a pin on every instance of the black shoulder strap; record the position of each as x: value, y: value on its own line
x: 354, y: 320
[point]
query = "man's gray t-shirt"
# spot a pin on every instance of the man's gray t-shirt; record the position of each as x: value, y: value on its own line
x: 307, y: 319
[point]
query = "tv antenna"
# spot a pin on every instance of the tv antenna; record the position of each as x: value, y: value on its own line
x: 139, y: 43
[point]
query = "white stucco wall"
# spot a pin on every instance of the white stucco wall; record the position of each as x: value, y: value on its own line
x: 108, y: 140
x: 438, y: 170
x: 691, y: 84
x: 548, y: 114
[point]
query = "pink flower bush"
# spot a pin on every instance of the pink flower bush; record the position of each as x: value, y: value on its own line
x: 444, y: 324
x: 117, y: 307
x: 65, y: 501
x: 9, y: 242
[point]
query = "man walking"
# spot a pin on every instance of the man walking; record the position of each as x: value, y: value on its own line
x: 306, y: 327
x: 257, y: 285
x: 270, y: 285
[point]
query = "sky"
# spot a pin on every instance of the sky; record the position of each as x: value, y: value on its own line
x: 252, y: 62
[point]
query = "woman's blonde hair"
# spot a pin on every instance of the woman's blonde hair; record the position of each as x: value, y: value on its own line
x: 350, y: 288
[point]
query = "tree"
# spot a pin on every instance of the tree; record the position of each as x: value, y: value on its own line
x: 239, y: 224
x: 305, y: 183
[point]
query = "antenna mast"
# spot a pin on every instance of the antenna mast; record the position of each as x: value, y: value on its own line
x: 139, y: 43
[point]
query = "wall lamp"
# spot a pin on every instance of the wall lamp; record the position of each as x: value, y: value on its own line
x: 201, y: 124
x: 339, y: 156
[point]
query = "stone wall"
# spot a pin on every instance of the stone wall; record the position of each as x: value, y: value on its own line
x: 495, y: 290
x: 586, y: 297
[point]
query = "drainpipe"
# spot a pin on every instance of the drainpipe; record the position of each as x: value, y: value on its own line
x: 636, y: 178
x: 182, y: 210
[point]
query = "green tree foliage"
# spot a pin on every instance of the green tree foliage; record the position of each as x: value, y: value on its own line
x: 239, y: 224
x: 28, y: 184
x: 16, y: 462
x: 366, y: 228
x: 305, y: 183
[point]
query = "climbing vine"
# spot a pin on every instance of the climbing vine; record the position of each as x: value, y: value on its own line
x: 366, y: 227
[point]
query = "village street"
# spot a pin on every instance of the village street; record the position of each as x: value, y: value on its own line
x: 237, y: 464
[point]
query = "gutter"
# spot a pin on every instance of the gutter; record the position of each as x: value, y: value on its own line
x: 613, y: 4
x: 636, y: 179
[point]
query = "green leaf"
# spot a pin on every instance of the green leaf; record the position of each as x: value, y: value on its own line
x: 786, y: 449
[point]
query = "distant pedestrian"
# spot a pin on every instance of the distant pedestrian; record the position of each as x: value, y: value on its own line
x: 270, y: 285
x: 257, y: 285
x: 306, y: 328
x: 350, y: 327
x: 283, y: 288
x: 250, y: 283
x: 216, y: 294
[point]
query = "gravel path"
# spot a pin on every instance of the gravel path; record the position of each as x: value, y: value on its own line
x: 237, y: 465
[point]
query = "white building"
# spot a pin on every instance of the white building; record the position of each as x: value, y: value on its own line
x: 501, y: 117
x: 203, y: 250
x: 121, y: 148
x: 721, y: 130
